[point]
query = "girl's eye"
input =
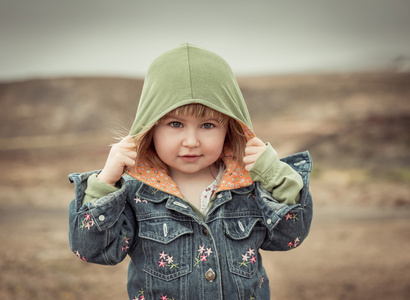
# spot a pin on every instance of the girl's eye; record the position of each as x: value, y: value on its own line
x: 208, y: 125
x: 175, y: 124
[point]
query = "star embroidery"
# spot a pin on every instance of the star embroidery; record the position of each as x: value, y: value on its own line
x: 288, y: 216
x: 245, y: 257
x: 170, y: 259
x: 251, y: 251
x: 87, y: 216
x: 203, y: 257
x: 208, y: 251
x: 253, y: 259
x: 201, y: 249
x: 162, y: 255
x: 161, y: 263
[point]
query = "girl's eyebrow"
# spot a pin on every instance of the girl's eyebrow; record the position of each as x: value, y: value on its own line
x: 211, y: 120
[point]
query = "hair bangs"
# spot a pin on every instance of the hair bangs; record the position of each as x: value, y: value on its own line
x: 200, y: 111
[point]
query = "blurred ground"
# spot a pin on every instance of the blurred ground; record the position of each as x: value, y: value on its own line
x: 356, y: 127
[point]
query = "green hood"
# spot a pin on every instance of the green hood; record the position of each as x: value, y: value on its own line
x: 183, y: 75
x: 189, y: 74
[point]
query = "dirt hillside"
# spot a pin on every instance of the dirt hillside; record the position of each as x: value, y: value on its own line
x: 356, y: 127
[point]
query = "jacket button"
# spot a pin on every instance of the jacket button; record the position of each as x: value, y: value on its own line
x: 101, y: 218
x: 210, y: 275
x: 205, y: 232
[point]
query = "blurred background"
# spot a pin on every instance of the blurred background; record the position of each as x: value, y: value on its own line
x: 331, y: 77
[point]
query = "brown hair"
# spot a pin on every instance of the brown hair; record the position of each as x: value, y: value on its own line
x: 235, y: 136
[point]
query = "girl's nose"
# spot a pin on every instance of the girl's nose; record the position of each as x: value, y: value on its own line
x: 191, y: 139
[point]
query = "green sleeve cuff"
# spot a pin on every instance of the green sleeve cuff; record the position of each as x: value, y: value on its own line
x: 97, y: 189
x: 277, y: 177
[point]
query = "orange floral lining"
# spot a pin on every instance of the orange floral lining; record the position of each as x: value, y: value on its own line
x: 235, y: 175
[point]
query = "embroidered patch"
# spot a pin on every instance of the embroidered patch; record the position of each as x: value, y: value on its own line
x: 166, y: 261
x: 140, y: 295
x: 202, y: 255
x: 125, y: 241
x: 292, y: 216
x: 294, y: 244
x: 248, y: 258
x: 87, y: 222
x: 262, y: 280
x: 79, y: 256
x: 138, y: 200
x: 165, y: 297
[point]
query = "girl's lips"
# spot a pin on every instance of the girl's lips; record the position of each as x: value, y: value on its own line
x: 190, y: 158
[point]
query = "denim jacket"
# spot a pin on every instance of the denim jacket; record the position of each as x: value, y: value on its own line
x: 177, y: 255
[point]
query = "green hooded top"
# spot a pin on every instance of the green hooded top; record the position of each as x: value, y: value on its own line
x: 184, y: 75
x: 189, y: 74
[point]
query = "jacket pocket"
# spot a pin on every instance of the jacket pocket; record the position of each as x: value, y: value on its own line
x: 166, y: 245
x: 244, y: 236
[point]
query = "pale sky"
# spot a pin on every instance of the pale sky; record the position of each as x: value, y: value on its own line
x: 45, y: 38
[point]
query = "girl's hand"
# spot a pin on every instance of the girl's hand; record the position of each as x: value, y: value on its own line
x: 254, y: 148
x: 122, y: 156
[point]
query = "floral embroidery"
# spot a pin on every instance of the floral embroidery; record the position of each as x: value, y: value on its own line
x: 138, y: 200
x: 262, y: 279
x: 248, y: 258
x: 79, y: 256
x: 87, y: 222
x: 292, y: 216
x: 252, y: 195
x: 140, y: 295
x: 168, y: 262
x: 202, y: 255
x: 294, y: 243
x: 125, y: 243
x: 166, y: 298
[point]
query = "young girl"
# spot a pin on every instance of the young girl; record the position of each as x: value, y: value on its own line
x: 191, y: 195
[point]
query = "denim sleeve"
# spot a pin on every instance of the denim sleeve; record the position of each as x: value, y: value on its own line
x: 288, y: 225
x: 100, y: 232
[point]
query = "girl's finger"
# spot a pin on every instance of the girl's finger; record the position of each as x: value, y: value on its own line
x: 253, y: 150
x: 247, y: 159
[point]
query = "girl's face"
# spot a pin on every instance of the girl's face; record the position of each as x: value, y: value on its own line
x: 189, y: 144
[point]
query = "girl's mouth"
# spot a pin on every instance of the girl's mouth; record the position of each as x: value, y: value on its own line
x: 190, y: 158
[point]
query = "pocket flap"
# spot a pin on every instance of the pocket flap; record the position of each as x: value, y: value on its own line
x: 238, y: 229
x: 163, y: 230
